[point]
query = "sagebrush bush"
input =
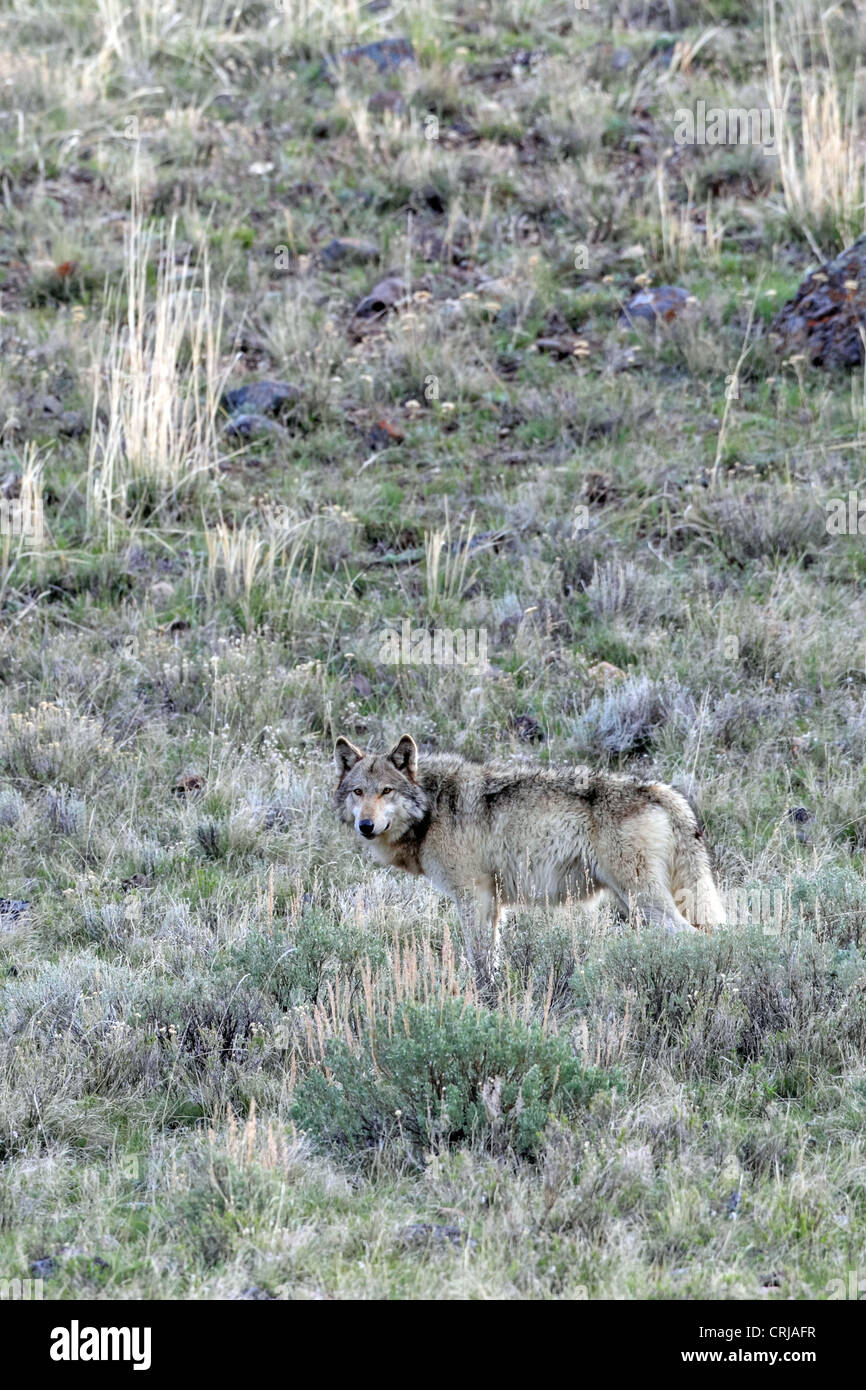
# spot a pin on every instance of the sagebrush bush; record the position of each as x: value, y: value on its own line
x: 801, y: 1003
x: 665, y: 983
x: 737, y: 721
x: 11, y: 806
x: 628, y: 718
x: 294, y: 965
x: 832, y: 903
x: 442, y: 1075
x: 187, y: 935
x: 702, y: 1004
x: 616, y: 587
x: 52, y: 744
x: 749, y: 525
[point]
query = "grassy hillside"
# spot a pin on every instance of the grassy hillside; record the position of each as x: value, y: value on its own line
x: 236, y: 1060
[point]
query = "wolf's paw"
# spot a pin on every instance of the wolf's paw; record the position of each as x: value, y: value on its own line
x: 677, y: 928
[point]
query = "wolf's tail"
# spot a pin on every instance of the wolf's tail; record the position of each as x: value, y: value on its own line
x: 692, y: 884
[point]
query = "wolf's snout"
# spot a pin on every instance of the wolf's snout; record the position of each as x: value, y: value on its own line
x: 367, y: 828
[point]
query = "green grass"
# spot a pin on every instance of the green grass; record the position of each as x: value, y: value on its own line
x: 200, y: 972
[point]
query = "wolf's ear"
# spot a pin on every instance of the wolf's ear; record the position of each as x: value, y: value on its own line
x: 345, y: 756
x: 405, y: 756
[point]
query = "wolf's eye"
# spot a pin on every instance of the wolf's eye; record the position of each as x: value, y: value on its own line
x: 386, y: 791
x: 357, y: 791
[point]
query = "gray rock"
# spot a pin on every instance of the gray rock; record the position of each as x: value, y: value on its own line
x: 387, y: 101
x: 382, y: 297
x: 827, y: 316
x: 248, y: 426
x: 72, y: 423
x: 387, y: 54
x: 261, y: 398
x: 349, y: 251
x: 660, y: 303
x: 11, y: 910
x: 528, y: 729
x: 801, y: 818
x: 422, y: 1233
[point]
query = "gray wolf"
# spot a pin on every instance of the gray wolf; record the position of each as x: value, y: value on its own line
x: 498, y: 834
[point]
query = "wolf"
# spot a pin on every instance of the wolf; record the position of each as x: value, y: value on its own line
x: 497, y: 834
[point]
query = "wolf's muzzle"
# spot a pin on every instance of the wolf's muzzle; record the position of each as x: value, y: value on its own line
x: 367, y: 828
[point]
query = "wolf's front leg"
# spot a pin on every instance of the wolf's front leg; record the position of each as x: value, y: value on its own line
x: 656, y: 908
x: 479, y: 912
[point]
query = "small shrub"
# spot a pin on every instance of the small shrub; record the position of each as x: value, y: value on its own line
x: 444, y: 1075
x: 675, y: 984
x: 212, y: 838
x: 63, y: 811
x: 294, y: 966
x: 11, y: 807
x: 802, y: 1005
x: 832, y: 903
x: 53, y: 745
x: 628, y: 718
x: 738, y: 721
x: 754, y: 524
x: 615, y: 587
x: 543, y: 955
x: 793, y: 1005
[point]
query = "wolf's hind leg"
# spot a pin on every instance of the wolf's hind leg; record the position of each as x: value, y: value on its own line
x: 479, y: 911
x: 702, y: 905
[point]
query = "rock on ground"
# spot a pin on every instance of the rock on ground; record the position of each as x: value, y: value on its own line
x: 826, y: 318
x: 349, y: 251
x: 385, y: 53
x: 261, y: 398
x: 662, y: 303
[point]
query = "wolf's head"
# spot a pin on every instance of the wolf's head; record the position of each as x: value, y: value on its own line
x: 376, y: 792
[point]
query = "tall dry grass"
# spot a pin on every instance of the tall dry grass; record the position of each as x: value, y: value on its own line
x: 158, y: 381
x: 447, y: 562
x: 22, y: 519
x: 822, y: 157
x: 269, y: 557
